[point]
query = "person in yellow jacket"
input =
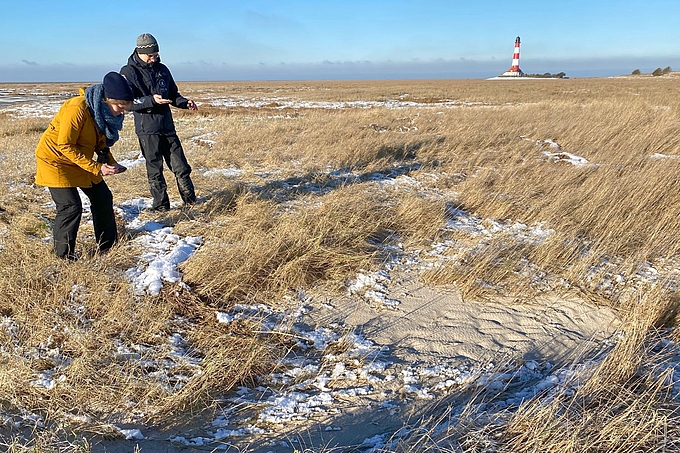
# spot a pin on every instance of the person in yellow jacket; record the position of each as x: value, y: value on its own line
x: 73, y: 153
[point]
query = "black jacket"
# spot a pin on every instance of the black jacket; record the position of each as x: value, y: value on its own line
x: 146, y: 80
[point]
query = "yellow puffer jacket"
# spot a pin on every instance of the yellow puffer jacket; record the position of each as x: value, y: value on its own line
x: 65, y: 155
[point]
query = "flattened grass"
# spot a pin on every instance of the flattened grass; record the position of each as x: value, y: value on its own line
x: 304, y: 213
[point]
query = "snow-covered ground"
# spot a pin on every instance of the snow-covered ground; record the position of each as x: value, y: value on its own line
x: 401, y: 351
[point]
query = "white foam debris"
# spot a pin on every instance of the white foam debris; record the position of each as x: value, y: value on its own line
x: 566, y: 158
x: 228, y: 172
x: 284, y: 103
x: 205, y: 139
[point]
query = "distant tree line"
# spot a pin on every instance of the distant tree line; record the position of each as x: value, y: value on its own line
x: 657, y: 72
x: 547, y: 75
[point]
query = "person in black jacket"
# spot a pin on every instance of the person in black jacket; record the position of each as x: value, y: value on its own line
x: 155, y: 91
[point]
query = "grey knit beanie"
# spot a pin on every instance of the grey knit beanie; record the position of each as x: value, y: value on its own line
x: 146, y: 44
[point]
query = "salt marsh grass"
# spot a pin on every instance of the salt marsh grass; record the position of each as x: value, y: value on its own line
x: 302, y: 216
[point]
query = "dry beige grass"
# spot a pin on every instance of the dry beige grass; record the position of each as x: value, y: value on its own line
x: 623, y: 404
x: 264, y: 240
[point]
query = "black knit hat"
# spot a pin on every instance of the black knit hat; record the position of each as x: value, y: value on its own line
x: 116, y: 87
x: 146, y: 44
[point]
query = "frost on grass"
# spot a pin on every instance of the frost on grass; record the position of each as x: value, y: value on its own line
x: 329, y: 368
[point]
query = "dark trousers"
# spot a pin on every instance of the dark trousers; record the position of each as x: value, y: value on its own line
x: 157, y: 149
x: 69, y: 213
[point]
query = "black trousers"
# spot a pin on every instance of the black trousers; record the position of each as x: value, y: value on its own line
x: 69, y: 213
x: 156, y: 149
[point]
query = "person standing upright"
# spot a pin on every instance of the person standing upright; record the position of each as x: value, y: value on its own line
x: 155, y: 91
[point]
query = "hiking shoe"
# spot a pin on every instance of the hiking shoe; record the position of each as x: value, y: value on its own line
x: 160, y: 209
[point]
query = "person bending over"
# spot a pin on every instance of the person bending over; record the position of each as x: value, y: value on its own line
x: 74, y: 153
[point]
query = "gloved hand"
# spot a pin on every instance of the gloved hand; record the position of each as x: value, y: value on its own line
x: 103, y: 155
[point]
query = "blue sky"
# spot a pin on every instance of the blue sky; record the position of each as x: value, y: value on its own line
x: 348, y: 39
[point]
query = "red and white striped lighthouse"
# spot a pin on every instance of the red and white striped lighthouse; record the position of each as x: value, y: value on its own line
x: 514, y: 70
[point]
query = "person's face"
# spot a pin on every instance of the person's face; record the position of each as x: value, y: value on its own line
x: 117, y: 109
x: 148, y: 57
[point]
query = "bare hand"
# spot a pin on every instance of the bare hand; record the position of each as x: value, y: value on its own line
x: 192, y: 105
x: 114, y: 169
x: 158, y: 99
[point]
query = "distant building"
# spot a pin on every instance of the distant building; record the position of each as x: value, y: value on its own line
x: 514, y: 70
